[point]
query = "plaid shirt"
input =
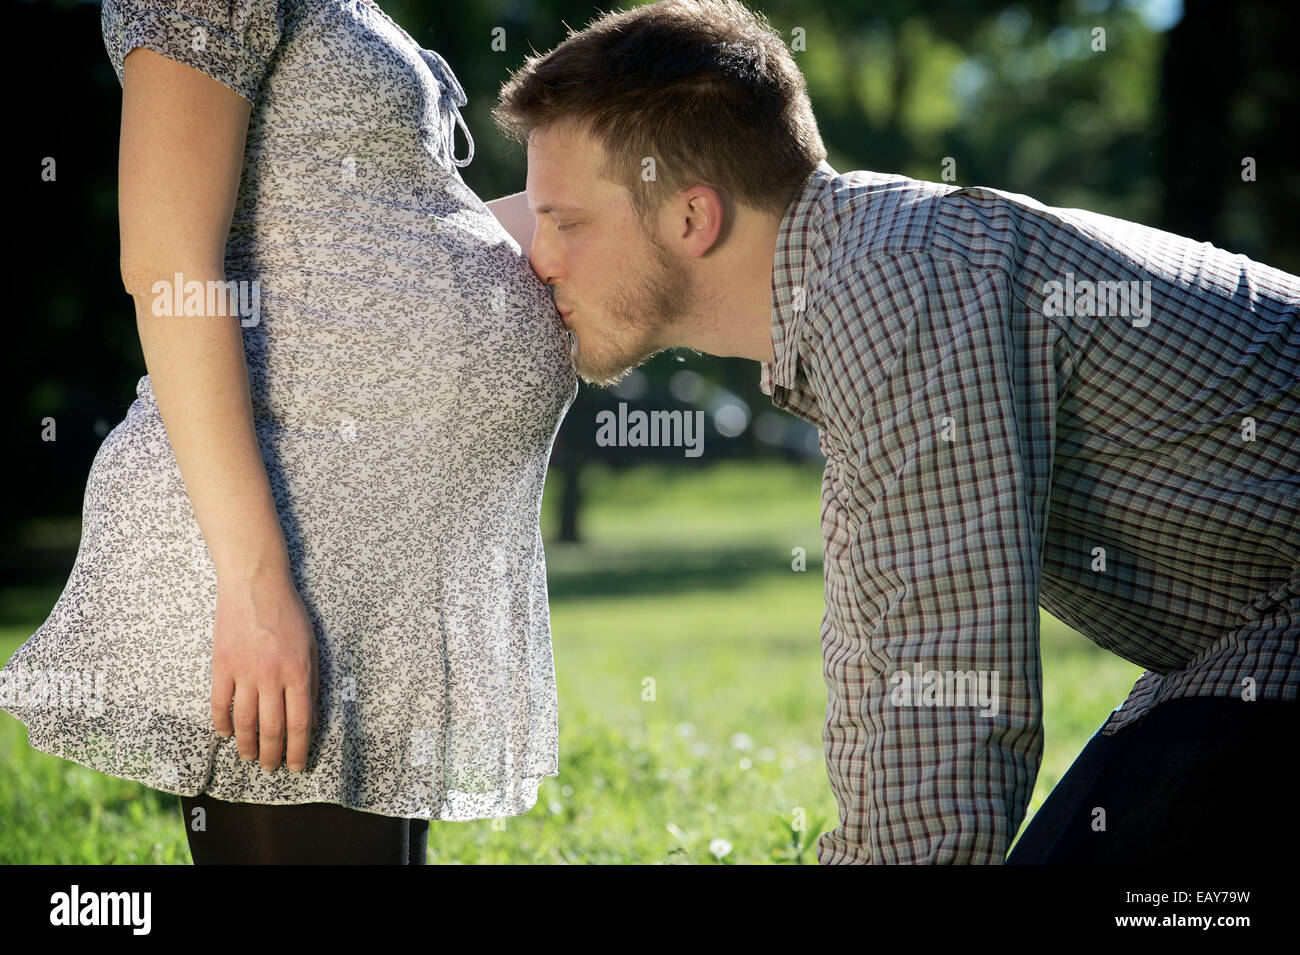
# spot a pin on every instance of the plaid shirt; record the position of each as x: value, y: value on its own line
x: 1006, y: 427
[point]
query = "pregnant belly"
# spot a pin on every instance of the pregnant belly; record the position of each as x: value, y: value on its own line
x: 458, y: 330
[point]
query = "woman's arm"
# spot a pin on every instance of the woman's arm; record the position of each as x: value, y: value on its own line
x: 180, y: 159
x: 513, y: 214
x: 181, y: 152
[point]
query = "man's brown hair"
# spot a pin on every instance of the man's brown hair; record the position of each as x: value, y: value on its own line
x: 705, y: 88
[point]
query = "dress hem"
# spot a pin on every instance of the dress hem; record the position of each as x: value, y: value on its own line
x: 517, y: 801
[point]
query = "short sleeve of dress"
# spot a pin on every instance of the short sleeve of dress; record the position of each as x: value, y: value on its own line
x: 231, y: 41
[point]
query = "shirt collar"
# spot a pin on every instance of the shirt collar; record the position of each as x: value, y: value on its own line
x: 799, y: 231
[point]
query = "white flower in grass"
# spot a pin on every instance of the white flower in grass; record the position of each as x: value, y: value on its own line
x: 720, y: 848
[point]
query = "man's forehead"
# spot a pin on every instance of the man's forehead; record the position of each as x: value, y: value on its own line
x: 561, y: 169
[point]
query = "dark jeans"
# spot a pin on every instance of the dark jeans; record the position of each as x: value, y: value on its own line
x: 1201, y: 780
x: 241, y: 833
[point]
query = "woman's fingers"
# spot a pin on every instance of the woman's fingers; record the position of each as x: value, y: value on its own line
x: 270, y: 715
x: 263, y: 718
x: 246, y: 720
x: 223, y: 689
x: 297, y: 717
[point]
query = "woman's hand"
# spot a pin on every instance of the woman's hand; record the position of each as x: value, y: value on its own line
x: 264, y: 656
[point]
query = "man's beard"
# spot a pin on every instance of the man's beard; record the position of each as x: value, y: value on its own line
x: 636, y: 314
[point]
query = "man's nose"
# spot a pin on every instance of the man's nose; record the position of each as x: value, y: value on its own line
x: 542, y: 257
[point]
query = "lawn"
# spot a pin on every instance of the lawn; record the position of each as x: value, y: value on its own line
x: 691, y: 695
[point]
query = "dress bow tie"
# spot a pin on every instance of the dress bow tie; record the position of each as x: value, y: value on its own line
x: 451, y: 96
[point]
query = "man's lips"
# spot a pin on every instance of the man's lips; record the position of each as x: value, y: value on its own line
x: 564, y: 314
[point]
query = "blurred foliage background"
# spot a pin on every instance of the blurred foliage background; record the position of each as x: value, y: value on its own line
x: 660, y: 565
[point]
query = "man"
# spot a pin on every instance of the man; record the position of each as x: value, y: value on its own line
x: 1018, y: 406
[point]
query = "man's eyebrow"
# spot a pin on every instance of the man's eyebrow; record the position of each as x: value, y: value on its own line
x: 551, y: 207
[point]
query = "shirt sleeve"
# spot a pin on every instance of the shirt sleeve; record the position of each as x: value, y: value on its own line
x: 231, y: 41
x: 933, y: 554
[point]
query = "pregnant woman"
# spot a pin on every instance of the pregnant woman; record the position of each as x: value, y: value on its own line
x: 310, y: 597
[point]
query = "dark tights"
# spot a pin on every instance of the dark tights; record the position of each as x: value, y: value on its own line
x: 241, y: 833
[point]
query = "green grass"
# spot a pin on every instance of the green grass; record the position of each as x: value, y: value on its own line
x: 683, y: 586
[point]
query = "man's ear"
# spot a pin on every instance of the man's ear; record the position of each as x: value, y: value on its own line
x: 700, y: 220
